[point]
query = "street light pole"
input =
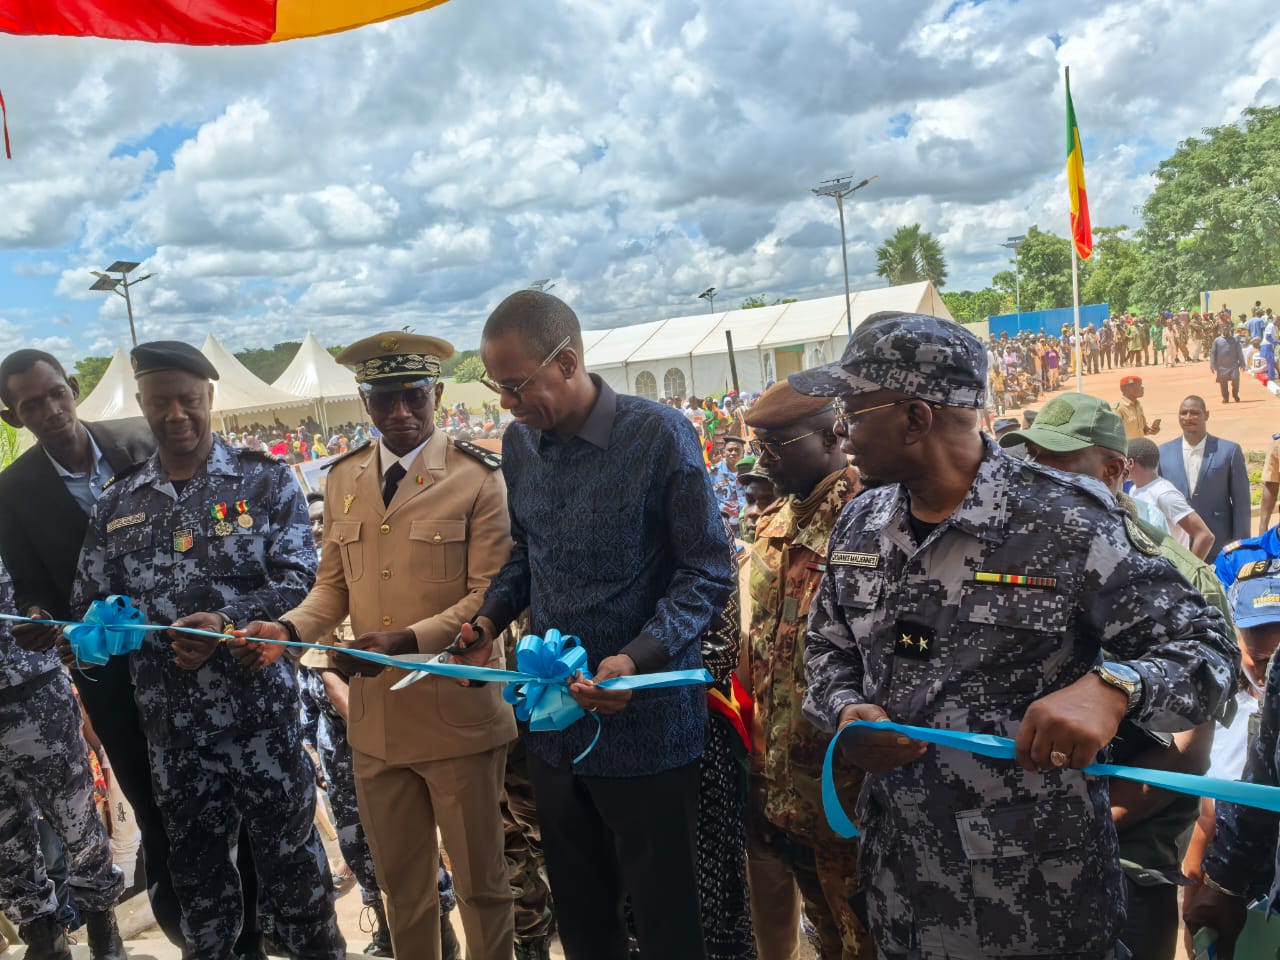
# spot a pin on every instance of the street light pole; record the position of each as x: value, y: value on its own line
x: 1014, y: 244
x: 840, y: 188
x: 114, y: 285
x: 709, y: 295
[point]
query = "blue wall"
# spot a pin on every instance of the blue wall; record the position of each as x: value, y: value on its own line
x: 1048, y: 321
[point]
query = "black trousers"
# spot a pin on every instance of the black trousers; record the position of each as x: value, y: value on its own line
x: 1152, y: 921
x: 107, y: 695
x: 606, y: 838
x: 1233, y: 382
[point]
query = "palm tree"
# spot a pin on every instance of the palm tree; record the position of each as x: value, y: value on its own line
x: 911, y: 255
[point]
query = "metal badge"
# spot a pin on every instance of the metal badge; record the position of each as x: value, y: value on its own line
x: 184, y: 540
x: 222, y: 528
x: 245, y: 521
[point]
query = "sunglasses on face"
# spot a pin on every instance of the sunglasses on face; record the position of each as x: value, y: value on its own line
x: 384, y: 401
x: 515, y: 391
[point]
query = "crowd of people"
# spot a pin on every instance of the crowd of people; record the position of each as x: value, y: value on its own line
x: 865, y: 541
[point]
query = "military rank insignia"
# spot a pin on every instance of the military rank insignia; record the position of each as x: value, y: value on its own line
x: 1259, y: 568
x: 914, y: 641
x: 1015, y: 579
x: 183, y: 540
x: 1141, y: 542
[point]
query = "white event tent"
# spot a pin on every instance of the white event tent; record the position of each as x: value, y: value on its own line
x: 331, y: 387
x: 689, y: 356
x: 113, y: 396
x: 238, y: 394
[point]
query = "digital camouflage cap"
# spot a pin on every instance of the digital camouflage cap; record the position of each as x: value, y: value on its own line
x: 911, y: 353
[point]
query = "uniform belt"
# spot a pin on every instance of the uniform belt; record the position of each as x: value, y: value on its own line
x: 27, y: 687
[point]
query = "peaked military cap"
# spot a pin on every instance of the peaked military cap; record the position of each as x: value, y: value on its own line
x: 396, y: 360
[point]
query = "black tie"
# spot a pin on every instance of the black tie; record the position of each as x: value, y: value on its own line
x: 395, y: 473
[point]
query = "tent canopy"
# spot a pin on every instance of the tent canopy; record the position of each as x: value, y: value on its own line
x: 239, y: 391
x: 314, y: 374
x: 115, y: 395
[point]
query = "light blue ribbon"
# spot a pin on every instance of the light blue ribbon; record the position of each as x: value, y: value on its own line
x: 1258, y: 795
x: 539, y: 689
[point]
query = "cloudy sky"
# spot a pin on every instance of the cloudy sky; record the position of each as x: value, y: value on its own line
x: 634, y: 151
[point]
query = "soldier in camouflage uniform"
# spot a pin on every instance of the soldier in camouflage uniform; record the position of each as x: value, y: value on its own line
x: 44, y: 769
x: 971, y: 591
x: 788, y: 837
x: 205, y: 536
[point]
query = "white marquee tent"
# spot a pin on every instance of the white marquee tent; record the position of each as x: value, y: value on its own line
x: 689, y: 356
x: 113, y: 397
x: 331, y: 387
x: 238, y: 393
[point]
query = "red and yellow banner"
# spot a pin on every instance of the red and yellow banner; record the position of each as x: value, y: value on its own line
x: 1081, y: 229
x: 199, y: 22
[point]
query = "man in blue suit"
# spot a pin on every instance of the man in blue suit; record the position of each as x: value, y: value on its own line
x: 1210, y: 473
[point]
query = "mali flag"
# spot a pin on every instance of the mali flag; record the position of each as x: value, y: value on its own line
x: 201, y: 22
x: 1081, y: 229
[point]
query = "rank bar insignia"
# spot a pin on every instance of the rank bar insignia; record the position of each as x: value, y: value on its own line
x: 1015, y: 579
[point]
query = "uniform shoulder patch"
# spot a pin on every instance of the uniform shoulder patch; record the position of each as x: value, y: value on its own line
x: 1233, y: 545
x: 1138, y: 537
x: 350, y: 453
x: 1259, y: 568
x: 487, y: 457
x: 132, y: 468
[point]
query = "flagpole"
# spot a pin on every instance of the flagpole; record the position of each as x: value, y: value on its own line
x: 1075, y: 298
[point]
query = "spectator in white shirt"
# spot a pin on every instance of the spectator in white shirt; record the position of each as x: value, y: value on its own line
x: 1185, y: 525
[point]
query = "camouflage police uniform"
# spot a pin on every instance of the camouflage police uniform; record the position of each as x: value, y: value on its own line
x: 225, y: 742
x: 1011, y: 597
x: 786, y: 821
x: 963, y: 856
x: 44, y: 769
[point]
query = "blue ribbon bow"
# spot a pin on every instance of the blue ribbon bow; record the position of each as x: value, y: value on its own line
x: 110, y: 627
x: 544, y: 702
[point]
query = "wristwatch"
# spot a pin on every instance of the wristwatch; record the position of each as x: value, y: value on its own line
x: 1125, y: 679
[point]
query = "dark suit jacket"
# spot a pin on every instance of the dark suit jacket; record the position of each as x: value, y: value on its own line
x: 42, y: 527
x: 1222, y: 491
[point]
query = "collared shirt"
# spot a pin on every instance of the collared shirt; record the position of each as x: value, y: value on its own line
x: 908, y: 626
x: 386, y: 458
x: 618, y: 541
x: 85, y: 488
x: 1192, y: 460
x: 1235, y: 555
x: 174, y: 554
x: 1133, y: 417
x: 724, y: 481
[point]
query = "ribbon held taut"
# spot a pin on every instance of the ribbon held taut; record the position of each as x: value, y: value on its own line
x: 1258, y: 795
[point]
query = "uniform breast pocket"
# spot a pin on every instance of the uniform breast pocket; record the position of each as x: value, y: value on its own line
x: 438, y: 549
x: 347, y: 536
x: 127, y: 540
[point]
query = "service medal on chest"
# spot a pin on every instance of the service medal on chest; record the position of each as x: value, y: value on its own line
x: 245, y: 520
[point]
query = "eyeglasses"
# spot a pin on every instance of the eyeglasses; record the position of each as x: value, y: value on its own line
x: 384, y: 401
x: 773, y: 448
x: 845, y: 415
x: 497, y: 387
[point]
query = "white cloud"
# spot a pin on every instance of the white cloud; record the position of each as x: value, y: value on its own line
x: 415, y: 172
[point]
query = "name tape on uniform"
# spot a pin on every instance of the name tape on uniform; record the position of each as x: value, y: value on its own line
x: 847, y: 558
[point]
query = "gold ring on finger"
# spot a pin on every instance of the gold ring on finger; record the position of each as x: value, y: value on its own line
x: 1059, y: 759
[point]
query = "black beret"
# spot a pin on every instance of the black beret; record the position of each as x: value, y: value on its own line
x: 170, y: 355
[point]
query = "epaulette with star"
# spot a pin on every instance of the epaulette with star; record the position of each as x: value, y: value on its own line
x: 350, y: 453
x: 1259, y: 568
x: 487, y: 457
x: 132, y: 468
x: 1231, y: 546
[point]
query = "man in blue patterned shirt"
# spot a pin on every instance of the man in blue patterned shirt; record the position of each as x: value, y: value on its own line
x: 618, y: 540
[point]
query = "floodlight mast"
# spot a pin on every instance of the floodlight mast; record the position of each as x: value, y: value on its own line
x: 108, y: 283
x: 1015, y: 244
x: 709, y: 295
x: 840, y: 187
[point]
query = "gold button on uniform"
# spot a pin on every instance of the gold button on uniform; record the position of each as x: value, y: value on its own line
x: 386, y: 621
x: 386, y: 574
x: 437, y: 538
x: 385, y: 528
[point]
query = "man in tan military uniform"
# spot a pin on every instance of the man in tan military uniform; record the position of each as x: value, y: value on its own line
x: 1131, y: 412
x: 415, y: 527
x: 792, y: 853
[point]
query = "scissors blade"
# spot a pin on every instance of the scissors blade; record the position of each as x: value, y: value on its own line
x: 413, y: 676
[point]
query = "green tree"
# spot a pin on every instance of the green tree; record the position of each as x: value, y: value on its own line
x: 268, y: 364
x: 974, y: 306
x: 89, y: 371
x: 1213, y: 219
x: 1044, y: 261
x: 1114, y: 269
x: 911, y: 255
x: 448, y: 366
x: 469, y: 370
x: 8, y: 444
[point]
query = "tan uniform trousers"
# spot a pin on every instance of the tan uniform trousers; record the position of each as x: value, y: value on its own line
x: 401, y: 807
